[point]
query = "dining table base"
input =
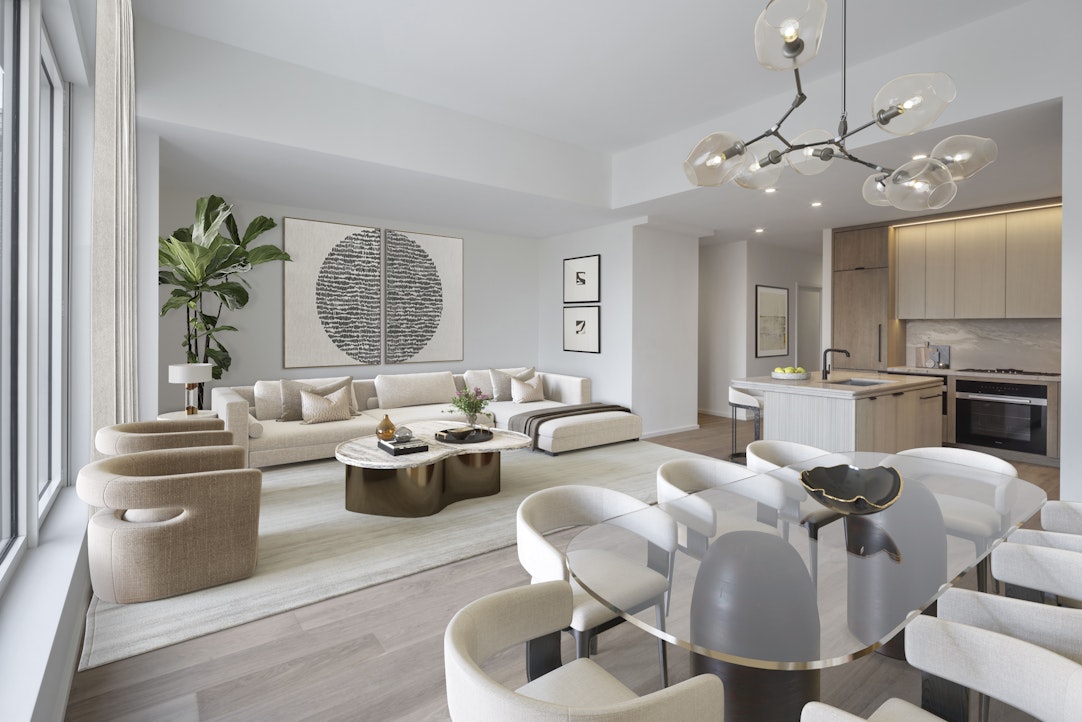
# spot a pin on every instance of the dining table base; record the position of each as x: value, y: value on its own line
x: 760, y: 695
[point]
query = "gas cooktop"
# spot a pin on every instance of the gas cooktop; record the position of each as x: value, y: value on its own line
x: 1012, y: 371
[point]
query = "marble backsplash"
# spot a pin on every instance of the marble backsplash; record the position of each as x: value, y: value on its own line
x: 1029, y: 344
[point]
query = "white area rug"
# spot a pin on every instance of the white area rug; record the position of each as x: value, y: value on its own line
x: 311, y: 548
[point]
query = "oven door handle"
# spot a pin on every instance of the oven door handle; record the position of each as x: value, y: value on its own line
x: 965, y: 395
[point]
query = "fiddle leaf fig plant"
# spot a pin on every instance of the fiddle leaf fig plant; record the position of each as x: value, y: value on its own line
x: 204, y: 263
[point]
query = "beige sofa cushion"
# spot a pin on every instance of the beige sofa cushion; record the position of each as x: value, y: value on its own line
x: 291, y: 395
x: 268, y: 400
x: 525, y: 391
x: 318, y: 409
x: 501, y: 381
x: 398, y: 390
x: 479, y: 380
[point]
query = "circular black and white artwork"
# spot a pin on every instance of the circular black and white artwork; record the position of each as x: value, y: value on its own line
x: 414, y: 298
x: 348, y: 295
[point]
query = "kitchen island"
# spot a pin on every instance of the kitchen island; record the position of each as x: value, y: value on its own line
x: 851, y: 410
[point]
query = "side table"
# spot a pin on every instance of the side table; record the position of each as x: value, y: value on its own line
x: 175, y: 415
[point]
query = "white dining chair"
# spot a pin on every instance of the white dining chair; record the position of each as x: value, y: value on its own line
x: 772, y: 455
x: 975, y: 520
x: 1029, y: 677
x: 698, y: 520
x: 751, y: 404
x: 578, y: 690
x: 1062, y: 516
x: 631, y: 584
x: 1041, y: 566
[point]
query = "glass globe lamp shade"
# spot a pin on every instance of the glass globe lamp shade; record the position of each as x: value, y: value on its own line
x: 788, y: 33
x: 964, y: 155
x: 875, y: 190
x: 758, y: 171
x: 715, y: 160
x: 921, y: 185
x: 805, y: 161
x: 911, y: 103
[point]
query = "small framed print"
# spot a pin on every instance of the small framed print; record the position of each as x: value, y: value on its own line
x: 582, y: 279
x: 582, y: 329
x: 771, y: 321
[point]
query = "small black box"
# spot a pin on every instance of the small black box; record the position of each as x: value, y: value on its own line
x: 398, y: 448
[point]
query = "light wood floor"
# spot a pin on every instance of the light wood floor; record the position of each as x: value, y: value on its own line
x: 377, y: 654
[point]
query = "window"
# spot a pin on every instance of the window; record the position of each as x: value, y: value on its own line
x: 33, y: 202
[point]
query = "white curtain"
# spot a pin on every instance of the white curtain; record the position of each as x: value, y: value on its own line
x: 113, y: 362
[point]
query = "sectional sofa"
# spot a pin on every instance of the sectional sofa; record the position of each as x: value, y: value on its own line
x: 266, y: 420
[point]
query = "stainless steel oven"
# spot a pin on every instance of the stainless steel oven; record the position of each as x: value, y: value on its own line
x: 1009, y: 415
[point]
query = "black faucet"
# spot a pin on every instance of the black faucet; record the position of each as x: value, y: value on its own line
x: 826, y: 369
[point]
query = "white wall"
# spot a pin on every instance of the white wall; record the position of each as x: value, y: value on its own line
x: 610, y: 370
x: 722, y: 319
x: 665, y: 334
x: 500, y: 290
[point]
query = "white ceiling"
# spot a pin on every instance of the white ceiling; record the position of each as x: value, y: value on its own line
x: 578, y: 71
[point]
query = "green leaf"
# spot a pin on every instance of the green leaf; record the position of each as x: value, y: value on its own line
x: 221, y: 356
x: 231, y: 228
x: 230, y: 293
x: 259, y: 226
x: 263, y: 254
x: 177, y: 300
x: 210, y: 213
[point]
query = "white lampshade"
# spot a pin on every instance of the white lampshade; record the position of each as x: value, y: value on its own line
x: 190, y: 373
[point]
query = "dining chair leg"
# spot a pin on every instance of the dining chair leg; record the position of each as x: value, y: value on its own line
x: 982, y: 574
x: 542, y: 655
x: 584, y: 642
x: 662, y: 650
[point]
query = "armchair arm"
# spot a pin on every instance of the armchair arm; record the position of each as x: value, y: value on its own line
x: 97, y: 478
x: 819, y: 712
x: 566, y: 389
x: 232, y: 408
x: 1038, y: 560
x: 1056, y: 628
x: 1062, y: 516
x: 700, y: 698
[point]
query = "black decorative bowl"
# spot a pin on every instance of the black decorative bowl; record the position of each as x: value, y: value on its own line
x: 463, y: 435
x: 849, y: 490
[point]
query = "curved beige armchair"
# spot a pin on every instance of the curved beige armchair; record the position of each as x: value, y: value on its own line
x: 172, y: 521
x: 578, y: 690
x: 165, y: 434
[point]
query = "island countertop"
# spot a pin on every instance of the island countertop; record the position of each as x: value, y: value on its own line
x: 841, y: 384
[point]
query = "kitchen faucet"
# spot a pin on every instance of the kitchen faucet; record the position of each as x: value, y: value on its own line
x: 826, y: 369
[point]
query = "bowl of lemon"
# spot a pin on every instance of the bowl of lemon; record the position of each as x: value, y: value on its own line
x: 790, y: 373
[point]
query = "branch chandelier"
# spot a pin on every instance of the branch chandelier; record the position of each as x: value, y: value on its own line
x: 787, y: 35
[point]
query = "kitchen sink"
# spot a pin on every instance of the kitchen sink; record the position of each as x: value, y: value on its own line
x: 860, y: 382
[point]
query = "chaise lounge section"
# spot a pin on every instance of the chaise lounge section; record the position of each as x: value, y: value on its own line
x: 266, y: 420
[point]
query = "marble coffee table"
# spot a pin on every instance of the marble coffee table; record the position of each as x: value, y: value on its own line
x: 423, y: 483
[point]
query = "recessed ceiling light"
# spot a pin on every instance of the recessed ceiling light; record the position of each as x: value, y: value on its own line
x: 758, y: 230
x: 816, y: 204
x: 770, y: 190
x: 920, y: 156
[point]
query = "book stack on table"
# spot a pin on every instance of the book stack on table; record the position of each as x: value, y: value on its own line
x: 398, y: 448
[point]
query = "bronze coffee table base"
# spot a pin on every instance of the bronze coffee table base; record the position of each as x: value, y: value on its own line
x: 422, y: 490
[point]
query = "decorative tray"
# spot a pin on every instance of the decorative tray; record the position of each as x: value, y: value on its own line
x: 463, y: 435
x: 790, y: 377
x: 849, y: 490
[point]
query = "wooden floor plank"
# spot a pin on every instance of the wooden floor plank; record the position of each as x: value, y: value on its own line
x: 377, y: 653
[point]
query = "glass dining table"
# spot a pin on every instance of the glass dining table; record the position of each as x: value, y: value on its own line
x: 744, y: 601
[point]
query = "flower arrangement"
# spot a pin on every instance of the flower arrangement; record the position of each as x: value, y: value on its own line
x: 470, y: 402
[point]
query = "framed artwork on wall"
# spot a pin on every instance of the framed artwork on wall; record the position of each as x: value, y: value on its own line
x: 771, y: 321
x: 582, y: 279
x: 582, y: 329
x: 331, y: 294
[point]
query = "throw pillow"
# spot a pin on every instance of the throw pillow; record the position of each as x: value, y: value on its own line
x: 528, y: 390
x: 268, y: 400
x: 255, y: 427
x: 479, y: 380
x: 318, y: 409
x: 501, y: 382
x: 291, y: 395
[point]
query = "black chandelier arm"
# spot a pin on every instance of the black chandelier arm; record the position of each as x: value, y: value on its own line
x: 853, y: 132
x: 874, y: 166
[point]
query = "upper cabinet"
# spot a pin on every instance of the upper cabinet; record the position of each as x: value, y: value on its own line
x: 1005, y: 265
x: 1033, y: 250
x: 979, y: 267
x: 860, y: 249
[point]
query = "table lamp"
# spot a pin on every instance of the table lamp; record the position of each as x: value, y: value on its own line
x: 191, y: 375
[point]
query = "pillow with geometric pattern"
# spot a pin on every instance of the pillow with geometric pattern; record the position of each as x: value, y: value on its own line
x: 316, y: 409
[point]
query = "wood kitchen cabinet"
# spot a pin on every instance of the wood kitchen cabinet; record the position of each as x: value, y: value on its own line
x: 860, y: 249
x: 905, y: 420
x: 860, y: 317
x: 980, y: 256
x: 1033, y: 246
x: 924, y: 269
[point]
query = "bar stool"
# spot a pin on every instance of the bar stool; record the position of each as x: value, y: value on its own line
x: 742, y: 400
